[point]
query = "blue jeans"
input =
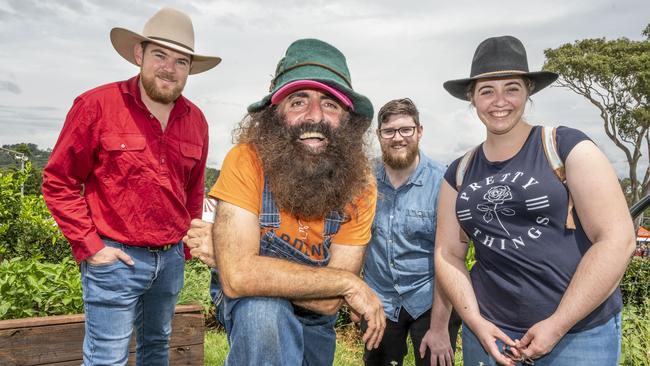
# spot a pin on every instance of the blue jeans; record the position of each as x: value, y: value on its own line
x: 271, y: 331
x: 118, y: 298
x: 596, y: 346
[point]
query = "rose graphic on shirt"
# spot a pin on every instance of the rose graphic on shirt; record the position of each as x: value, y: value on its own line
x: 496, y: 196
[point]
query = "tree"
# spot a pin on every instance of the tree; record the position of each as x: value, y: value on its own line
x: 614, y: 76
x: 211, y: 176
x: 37, y: 156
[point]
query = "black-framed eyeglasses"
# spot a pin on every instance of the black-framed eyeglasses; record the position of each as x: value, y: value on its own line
x: 389, y: 133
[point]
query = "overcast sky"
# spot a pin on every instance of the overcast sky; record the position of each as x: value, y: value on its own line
x: 51, y: 51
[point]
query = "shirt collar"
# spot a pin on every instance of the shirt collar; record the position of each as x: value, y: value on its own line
x: 418, y: 176
x: 132, y: 88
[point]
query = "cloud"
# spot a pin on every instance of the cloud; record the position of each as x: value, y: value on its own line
x: 32, y: 116
x: 36, y: 9
x: 11, y: 87
x: 60, y: 48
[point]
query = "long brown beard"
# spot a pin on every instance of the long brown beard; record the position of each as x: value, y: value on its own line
x: 157, y: 95
x: 399, y: 162
x: 304, y: 184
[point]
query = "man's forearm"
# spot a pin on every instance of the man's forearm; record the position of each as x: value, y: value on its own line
x: 273, y: 277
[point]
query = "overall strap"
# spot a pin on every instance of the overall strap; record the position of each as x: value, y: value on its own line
x: 549, y: 141
x: 333, y: 222
x: 270, y: 215
x: 461, y: 169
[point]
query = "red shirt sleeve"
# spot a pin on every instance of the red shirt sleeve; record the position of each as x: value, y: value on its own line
x: 68, y: 168
x: 195, y: 186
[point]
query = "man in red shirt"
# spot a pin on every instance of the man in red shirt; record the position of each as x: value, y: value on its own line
x: 123, y: 182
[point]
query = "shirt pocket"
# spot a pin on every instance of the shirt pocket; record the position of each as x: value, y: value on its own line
x: 124, y: 155
x: 419, y: 224
x: 124, y: 142
x: 191, y: 155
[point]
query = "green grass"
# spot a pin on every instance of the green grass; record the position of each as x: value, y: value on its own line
x: 349, y: 349
x: 349, y: 352
x: 215, y: 347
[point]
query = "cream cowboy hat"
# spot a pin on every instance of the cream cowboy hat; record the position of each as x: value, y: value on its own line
x: 169, y: 28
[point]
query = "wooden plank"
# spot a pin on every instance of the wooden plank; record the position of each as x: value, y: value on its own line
x: 44, y: 344
x: 191, y: 308
x: 41, y: 321
x: 75, y: 318
x: 187, y: 355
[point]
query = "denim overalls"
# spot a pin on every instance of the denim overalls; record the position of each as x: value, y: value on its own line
x: 304, y: 337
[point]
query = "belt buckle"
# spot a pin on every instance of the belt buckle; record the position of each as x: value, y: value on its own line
x: 163, y: 248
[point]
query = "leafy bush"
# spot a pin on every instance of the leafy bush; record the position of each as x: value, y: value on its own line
x: 26, y: 227
x: 470, y: 258
x: 635, y: 347
x: 635, y: 284
x: 197, y: 285
x: 344, y: 318
x: 30, y: 288
x: 9, y: 205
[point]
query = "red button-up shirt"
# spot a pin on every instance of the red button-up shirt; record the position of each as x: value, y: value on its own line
x: 114, y: 172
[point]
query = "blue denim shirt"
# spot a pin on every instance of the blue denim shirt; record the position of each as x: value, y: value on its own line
x: 399, y: 258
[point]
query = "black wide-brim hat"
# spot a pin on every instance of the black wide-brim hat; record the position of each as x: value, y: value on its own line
x: 499, y: 57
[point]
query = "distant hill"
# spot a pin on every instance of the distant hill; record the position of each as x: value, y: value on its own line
x: 37, y: 156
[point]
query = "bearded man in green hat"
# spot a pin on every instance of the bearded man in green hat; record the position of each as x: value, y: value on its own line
x: 296, y: 201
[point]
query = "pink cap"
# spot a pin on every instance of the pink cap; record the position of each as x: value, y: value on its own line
x: 291, y: 87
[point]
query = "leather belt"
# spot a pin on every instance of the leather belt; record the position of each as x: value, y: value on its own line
x: 163, y: 248
x: 153, y: 249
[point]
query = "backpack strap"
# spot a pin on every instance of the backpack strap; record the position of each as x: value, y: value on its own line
x: 549, y: 141
x: 461, y: 169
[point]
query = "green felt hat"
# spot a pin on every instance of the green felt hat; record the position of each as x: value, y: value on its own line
x: 313, y: 59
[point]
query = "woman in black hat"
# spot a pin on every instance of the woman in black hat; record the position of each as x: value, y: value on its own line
x: 544, y: 289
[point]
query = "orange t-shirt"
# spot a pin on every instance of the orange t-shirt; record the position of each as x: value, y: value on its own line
x: 241, y: 183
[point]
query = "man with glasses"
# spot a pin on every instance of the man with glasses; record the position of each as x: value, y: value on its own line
x: 399, y: 259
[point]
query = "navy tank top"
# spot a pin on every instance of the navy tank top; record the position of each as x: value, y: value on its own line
x: 515, y: 211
